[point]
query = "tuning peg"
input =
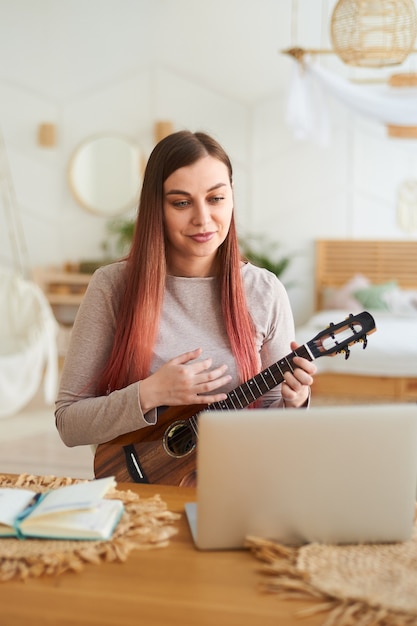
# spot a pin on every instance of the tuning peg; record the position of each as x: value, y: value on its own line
x: 331, y: 333
x: 364, y: 340
x: 347, y: 352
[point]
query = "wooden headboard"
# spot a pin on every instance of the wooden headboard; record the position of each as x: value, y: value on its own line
x: 338, y: 260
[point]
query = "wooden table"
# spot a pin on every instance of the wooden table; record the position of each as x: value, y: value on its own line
x: 160, y: 587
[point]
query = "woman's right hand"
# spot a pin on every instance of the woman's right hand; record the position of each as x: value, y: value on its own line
x: 183, y: 381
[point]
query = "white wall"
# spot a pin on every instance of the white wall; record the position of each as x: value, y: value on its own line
x: 96, y: 66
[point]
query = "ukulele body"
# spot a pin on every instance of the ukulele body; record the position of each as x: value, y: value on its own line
x: 137, y: 456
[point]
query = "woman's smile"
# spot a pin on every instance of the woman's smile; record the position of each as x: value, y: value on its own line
x: 202, y: 237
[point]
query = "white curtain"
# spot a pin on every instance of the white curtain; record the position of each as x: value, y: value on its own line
x: 307, y: 114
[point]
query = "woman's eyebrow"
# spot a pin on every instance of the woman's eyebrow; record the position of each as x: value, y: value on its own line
x: 217, y: 186
x: 187, y: 193
x: 180, y: 192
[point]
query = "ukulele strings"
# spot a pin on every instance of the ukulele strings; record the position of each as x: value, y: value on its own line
x: 263, y: 384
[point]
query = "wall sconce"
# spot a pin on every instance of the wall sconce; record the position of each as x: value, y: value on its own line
x: 395, y: 130
x: 47, y: 135
x: 162, y: 129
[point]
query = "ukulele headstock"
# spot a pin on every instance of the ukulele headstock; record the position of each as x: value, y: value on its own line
x: 337, y: 338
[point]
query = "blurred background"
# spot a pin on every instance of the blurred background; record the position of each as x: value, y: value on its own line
x: 128, y: 71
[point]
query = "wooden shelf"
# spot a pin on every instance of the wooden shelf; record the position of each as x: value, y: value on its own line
x: 62, y: 287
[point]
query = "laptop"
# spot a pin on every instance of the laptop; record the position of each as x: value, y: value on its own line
x: 332, y: 475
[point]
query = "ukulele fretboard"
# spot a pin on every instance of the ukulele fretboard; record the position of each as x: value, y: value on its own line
x: 253, y: 389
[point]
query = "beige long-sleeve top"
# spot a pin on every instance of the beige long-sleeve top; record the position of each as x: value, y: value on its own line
x: 191, y: 318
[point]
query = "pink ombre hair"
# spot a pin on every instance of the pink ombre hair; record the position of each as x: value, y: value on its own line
x: 141, y: 301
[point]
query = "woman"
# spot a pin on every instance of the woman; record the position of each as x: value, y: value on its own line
x: 183, y: 320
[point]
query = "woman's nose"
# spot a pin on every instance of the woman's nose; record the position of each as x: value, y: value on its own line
x: 201, y: 214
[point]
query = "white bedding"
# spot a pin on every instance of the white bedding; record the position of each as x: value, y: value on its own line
x: 391, y: 351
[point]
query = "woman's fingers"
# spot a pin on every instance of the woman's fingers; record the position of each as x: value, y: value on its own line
x: 184, y: 380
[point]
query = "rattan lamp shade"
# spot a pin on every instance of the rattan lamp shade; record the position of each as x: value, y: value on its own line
x: 373, y: 33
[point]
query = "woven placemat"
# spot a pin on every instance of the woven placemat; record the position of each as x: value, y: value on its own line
x: 361, y: 585
x: 146, y: 523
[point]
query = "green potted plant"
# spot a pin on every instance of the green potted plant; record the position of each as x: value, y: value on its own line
x: 122, y: 230
x: 264, y: 253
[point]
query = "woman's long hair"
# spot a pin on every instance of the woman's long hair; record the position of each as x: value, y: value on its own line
x: 140, y: 307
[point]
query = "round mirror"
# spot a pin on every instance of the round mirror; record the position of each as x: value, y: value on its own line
x: 105, y: 174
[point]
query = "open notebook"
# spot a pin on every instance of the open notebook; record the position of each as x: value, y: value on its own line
x: 332, y: 474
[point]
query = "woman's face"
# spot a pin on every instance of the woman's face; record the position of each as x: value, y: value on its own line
x: 198, y: 206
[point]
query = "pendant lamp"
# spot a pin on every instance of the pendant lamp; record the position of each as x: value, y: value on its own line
x: 373, y: 33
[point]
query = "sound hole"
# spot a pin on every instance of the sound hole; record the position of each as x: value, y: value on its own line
x: 179, y: 439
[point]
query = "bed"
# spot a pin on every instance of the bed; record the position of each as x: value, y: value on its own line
x: 379, y: 277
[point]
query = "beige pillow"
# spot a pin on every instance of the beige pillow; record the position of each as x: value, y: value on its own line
x: 343, y: 298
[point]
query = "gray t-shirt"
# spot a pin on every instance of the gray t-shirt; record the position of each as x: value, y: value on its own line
x: 191, y: 318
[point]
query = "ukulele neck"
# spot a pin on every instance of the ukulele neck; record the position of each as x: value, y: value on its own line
x: 253, y: 389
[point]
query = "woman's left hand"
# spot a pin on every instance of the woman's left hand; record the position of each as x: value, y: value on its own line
x: 295, y: 389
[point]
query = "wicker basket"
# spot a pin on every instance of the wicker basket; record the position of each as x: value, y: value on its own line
x: 370, y: 33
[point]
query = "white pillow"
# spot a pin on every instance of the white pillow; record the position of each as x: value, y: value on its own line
x: 401, y: 302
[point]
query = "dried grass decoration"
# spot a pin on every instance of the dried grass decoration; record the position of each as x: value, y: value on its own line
x: 146, y: 523
x: 373, y: 33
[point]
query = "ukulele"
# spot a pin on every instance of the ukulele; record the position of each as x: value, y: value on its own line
x: 165, y: 453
